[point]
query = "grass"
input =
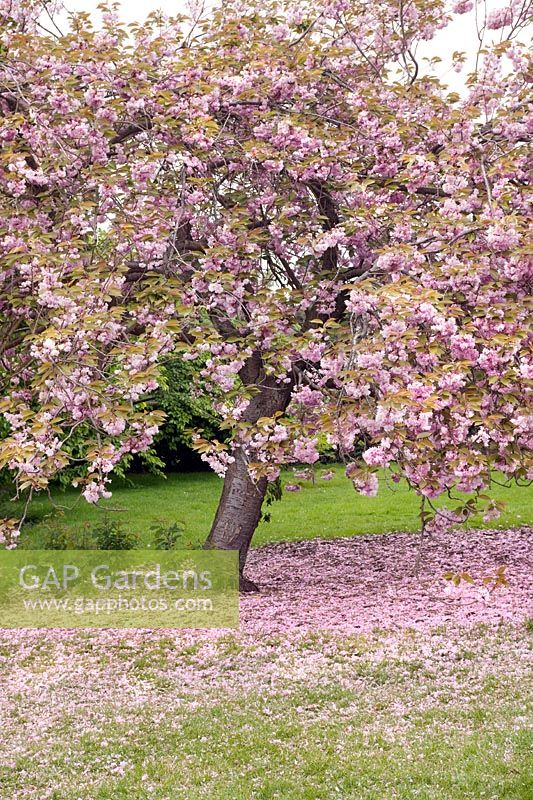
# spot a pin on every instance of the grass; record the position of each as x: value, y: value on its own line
x: 326, y: 510
x: 437, y: 717
x: 113, y: 715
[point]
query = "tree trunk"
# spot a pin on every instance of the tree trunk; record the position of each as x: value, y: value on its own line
x: 238, y: 514
x: 239, y: 509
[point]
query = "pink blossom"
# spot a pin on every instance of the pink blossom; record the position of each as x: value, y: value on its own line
x: 306, y: 451
x: 463, y: 347
x: 463, y: 6
x: 499, y: 18
x: 378, y: 456
x: 94, y: 492
x: 502, y: 238
x: 367, y: 485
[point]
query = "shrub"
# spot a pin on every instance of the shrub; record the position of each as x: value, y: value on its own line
x: 166, y: 537
x: 111, y: 534
x: 58, y: 536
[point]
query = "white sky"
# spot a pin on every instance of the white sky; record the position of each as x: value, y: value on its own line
x: 460, y: 35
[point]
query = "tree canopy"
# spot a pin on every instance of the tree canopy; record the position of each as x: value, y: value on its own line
x: 284, y: 190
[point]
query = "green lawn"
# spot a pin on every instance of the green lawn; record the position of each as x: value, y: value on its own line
x: 326, y: 510
x: 439, y: 716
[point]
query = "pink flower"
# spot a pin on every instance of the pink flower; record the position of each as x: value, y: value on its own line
x: 501, y: 238
x: 367, y: 485
x: 462, y: 6
x: 114, y: 426
x: 377, y: 456
x: 499, y: 18
x: 463, y: 348
x: 93, y: 492
x: 306, y: 451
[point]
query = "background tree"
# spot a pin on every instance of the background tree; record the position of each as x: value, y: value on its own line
x: 188, y: 408
x: 283, y: 190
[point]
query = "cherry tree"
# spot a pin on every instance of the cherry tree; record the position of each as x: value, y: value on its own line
x: 287, y: 190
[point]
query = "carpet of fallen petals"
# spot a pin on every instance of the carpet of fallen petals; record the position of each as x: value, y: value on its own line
x: 389, y: 581
x: 367, y: 628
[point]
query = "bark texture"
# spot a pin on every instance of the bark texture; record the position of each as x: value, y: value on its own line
x: 238, y: 514
x: 239, y: 509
